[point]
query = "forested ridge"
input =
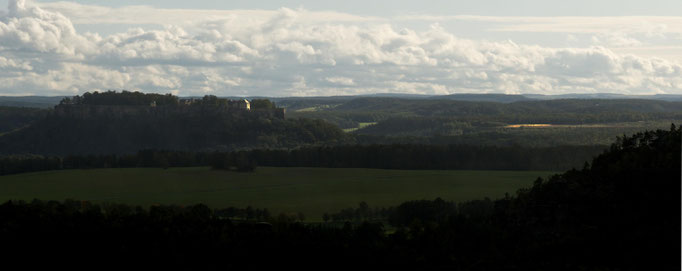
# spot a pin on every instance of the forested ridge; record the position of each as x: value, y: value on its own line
x: 13, y: 118
x: 103, y: 123
x: 120, y: 123
x: 64, y: 136
x: 619, y: 212
x: 519, y: 108
x: 443, y: 121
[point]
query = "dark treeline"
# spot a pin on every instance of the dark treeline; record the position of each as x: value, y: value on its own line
x: 411, y: 156
x: 237, y: 161
x: 362, y: 213
x: 14, y: 164
x: 619, y: 213
x: 421, y: 211
x: 121, y: 98
x: 433, y: 157
x: 85, y: 235
x: 127, y: 98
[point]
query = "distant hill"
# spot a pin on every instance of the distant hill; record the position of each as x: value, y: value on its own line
x: 310, y: 103
x: 450, y: 107
x: 110, y: 123
x: 661, y: 97
x: 31, y: 101
x: 296, y: 103
x: 378, y: 120
x: 498, y: 98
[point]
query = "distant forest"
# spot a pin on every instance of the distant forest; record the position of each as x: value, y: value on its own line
x: 619, y: 212
x: 123, y: 123
x: 103, y: 123
x: 446, y: 121
x: 567, y: 111
x: 121, y: 98
x: 420, y: 157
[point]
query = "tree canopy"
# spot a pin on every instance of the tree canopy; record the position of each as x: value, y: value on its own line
x: 120, y: 98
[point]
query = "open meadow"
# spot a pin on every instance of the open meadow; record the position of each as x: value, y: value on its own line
x: 312, y: 191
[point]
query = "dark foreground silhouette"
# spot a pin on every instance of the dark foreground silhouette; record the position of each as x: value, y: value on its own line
x: 619, y: 213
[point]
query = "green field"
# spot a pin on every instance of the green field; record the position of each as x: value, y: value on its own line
x: 360, y: 126
x: 312, y: 191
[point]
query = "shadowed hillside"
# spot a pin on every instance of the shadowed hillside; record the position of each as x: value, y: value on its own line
x: 126, y: 122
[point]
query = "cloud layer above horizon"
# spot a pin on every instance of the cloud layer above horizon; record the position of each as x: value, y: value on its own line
x: 296, y: 52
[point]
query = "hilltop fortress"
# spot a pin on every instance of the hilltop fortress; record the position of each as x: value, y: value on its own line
x: 130, y: 104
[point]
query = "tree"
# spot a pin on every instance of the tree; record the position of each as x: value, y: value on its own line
x: 363, y: 210
x: 262, y: 104
x: 249, y: 212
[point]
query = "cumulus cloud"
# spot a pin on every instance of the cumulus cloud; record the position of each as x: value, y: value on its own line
x: 297, y: 52
x: 343, y: 81
x: 657, y: 32
x: 33, y: 30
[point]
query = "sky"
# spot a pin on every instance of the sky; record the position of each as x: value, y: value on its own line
x: 350, y: 47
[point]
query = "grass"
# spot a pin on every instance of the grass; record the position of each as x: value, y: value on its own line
x: 641, y: 125
x: 312, y: 191
x: 586, y: 134
x: 360, y: 126
x: 307, y: 109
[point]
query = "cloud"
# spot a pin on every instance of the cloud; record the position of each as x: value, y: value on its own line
x: 297, y: 52
x: 341, y: 81
x: 616, y: 39
x: 565, y: 24
x: 614, y: 32
x: 92, y: 14
x: 10, y: 64
x: 33, y: 30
